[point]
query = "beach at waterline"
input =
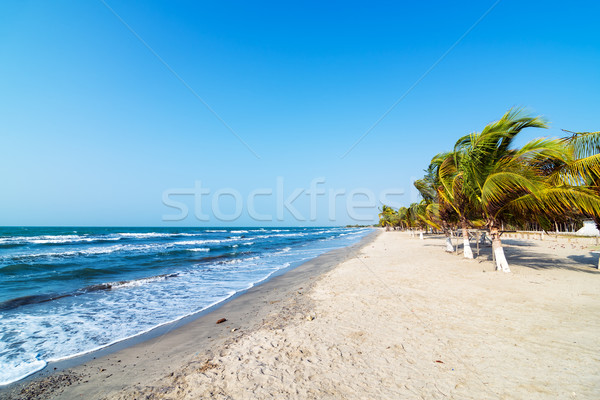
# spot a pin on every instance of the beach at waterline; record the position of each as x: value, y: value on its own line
x: 71, y: 291
x: 395, y: 318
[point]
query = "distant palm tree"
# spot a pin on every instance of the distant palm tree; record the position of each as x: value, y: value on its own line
x: 386, y: 216
x: 403, y: 218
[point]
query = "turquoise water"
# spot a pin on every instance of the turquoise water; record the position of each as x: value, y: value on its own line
x: 68, y: 291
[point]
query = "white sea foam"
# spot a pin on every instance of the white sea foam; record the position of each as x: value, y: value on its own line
x: 92, y: 251
x: 198, y: 242
x: 146, y: 235
x: 139, y: 282
x: 300, y: 234
x: 238, y: 260
x: 19, y: 369
x: 55, y: 239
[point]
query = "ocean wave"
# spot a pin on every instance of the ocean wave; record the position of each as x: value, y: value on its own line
x: 141, y: 281
x: 44, y: 298
x: 20, y: 370
x: 276, y: 235
x: 198, y: 242
x: 54, y: 239
x: 217, y: 259
x: 146, y: 235
x: 238, y: 260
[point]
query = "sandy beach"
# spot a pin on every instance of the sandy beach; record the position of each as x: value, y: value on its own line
x: 392, y: 318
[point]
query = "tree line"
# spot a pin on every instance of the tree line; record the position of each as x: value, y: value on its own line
x: 487, y: 182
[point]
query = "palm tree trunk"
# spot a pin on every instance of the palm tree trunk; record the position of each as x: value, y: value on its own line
x: 467, y: 252
x: 501, y: 263
x: 449, y: 247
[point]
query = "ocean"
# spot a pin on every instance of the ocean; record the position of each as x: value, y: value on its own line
x: 71, y: 290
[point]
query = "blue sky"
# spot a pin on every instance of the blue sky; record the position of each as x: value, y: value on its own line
x: 95, y: 129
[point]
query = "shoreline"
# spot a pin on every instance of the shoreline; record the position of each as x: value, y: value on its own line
x: 246, y: 309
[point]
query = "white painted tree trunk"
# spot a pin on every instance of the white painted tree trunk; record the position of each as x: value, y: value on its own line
x: 468, y: 253
x: 501, y: 263
x: 421, y: 235
x: 449, y: 247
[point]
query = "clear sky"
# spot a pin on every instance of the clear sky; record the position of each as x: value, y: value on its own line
x: 96, y: 130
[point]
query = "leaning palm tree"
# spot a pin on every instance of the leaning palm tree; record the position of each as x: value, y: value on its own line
x: 424, y: 215
x: 454, y: 193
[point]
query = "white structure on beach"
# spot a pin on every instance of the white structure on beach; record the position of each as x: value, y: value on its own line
x: 589, y: 229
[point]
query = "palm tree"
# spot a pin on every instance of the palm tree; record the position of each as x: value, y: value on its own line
x: 427, y: 209
x: 423, y: 215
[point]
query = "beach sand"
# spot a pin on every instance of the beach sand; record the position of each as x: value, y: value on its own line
x: 398, y: 318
